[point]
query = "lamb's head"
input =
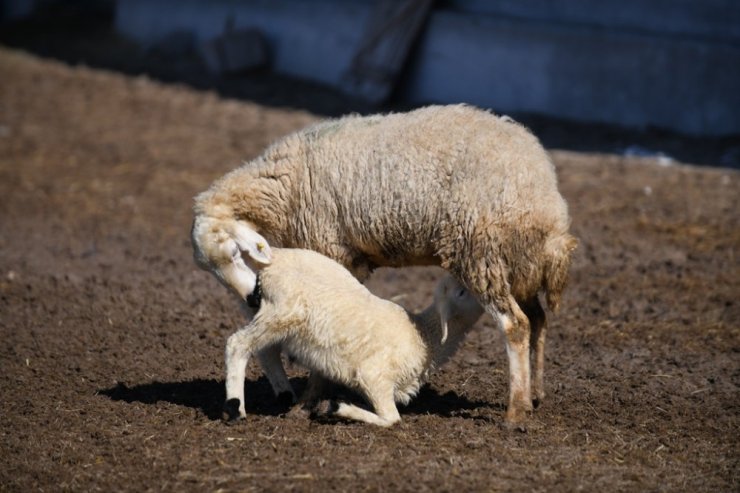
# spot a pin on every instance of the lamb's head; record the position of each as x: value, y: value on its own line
x: 232, y: 250
x: 458, y: 309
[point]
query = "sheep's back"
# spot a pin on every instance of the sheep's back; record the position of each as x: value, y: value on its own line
x: 390, y: 184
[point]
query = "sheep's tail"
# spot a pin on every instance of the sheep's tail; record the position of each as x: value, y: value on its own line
x: 558, y: 250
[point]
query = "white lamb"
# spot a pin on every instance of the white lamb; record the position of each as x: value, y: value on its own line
x: 444, y: 185
x: 318, y: 312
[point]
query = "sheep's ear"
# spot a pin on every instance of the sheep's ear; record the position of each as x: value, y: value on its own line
x: 253, y: 244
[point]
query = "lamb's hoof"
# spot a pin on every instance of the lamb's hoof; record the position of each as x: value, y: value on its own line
x: 231, y: 411
x: 536, y: 403
x: 285, y: 399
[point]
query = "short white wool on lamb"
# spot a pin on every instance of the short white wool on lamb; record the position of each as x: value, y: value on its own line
x: 313, y: 308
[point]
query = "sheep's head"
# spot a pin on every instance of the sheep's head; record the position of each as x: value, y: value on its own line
x: 457, y: 308
x: 232, y: 250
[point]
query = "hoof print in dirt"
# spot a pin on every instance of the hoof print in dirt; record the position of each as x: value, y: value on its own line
x: 231, y: 411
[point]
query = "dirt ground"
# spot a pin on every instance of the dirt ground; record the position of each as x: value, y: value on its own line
x: 111, y: 340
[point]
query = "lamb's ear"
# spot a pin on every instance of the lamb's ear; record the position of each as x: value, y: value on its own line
x: 253, y: 244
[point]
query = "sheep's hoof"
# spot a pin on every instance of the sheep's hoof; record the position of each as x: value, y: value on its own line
x: 531, y: 425
x: 231, y: 411
x: 539, y: 396
x: 517, y: 420
x: 521, y: 426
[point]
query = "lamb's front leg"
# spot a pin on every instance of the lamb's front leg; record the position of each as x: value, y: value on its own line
x: 237, y: 357
x: 243, y: 343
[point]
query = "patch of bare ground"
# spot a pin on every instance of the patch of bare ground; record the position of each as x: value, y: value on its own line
x: 111, y: 340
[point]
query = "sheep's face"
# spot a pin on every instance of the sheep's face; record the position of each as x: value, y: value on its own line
x: 458, y: 309
x: 231, y: 250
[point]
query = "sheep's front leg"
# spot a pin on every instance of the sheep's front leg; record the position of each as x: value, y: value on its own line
x: 515, y: 326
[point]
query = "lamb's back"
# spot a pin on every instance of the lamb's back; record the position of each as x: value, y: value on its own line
x: 335, y: 308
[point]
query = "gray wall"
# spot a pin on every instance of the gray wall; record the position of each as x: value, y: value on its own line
x: 668, y: 63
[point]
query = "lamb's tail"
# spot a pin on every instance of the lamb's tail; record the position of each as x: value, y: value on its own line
x: 557, y: 251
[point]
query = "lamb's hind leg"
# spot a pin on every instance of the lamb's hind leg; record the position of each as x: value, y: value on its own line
x: 538, y: 323
x: 515, y: 326
x: 386, y: 412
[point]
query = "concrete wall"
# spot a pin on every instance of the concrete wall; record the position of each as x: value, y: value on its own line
x: 16, y: 9
x: 579, y: 72
x: 718, y: 20
x: 313, y: 40
x: 667, y: 63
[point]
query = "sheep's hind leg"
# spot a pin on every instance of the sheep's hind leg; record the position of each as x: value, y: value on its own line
x: 515, y: 326
x: 538, y: 323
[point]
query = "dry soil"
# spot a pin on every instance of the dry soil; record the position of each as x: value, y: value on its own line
x: 111, y: 339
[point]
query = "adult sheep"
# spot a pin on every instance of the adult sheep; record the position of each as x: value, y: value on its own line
x: 453, y: 186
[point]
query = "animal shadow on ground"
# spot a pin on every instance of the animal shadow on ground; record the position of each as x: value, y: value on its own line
x: 449, y: 404
x: 208, y: 397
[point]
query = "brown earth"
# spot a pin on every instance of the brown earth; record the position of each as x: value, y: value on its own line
x: 111, y: 339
